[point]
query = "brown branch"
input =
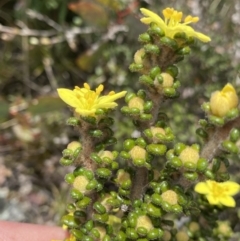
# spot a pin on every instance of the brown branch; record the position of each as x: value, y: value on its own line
x: 212, y: 147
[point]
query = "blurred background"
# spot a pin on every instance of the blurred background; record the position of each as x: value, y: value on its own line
x: 49, y: 44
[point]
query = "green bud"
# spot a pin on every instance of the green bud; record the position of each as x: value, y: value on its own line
x: 230, y: 147
x: 129, y: 96
x: 145, y: 117
x: 125, y: 155
x: 157, y: 149
x: 79, y: 214
x: 152, y: 49
x: 103, y: 172
x: 134, y: 111
x: 202, y: 164
x: 172, y: 70
x: 179, y: 147
x: 142, y: 231
x: 77, y: 234
x: 132, y: 221
x: 157, y: 199
x: 144, y: 38
x: 202, y: 133
x: 78, y: 171
x: 169, y: 92
x: 102, y: 218
x: 145, y: 79
x: 148, y: 105
x: 154, y: 72
x: 131, y: 233
x: 72, y: 121
x: 111, y: 141
x: 121, y: 236
x: 153, y: 211
x: 232, y: 114
x: 139, y: 162
x: 234, y: 135
x: 70, y: 221
x: 69, y: 178
x: 76, y: 194
x: 84, y: 202
x: 177, y: 208
x: 192, y: 176
x: 217, y: 121
x: 155, y: 233
x: 209, y: 174
x: 89, y: 119
x: 142, y: 94
x: 95, y: 233
x: 184, y: 51
x: 126, y: 110
x: 96, y: 133
x: 135, y: 67
x: 175, y: 162
x: 100, y: 111
x: 141, y: 142
x: 155, y: 30
x: 89, y: 225
x: 70, y: 207
x: 65, y: 162
x: 128, y: 144
x: 180, y: 36
x: 169, y: 42
x: 190, y: 166
x: 99, y: 208
x: 92, y: 184
x: 96, y: 158
x: 67, y: 153
x: 106, y: 238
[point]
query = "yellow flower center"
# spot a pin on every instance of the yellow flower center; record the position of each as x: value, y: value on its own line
x: 88, y: 97
x: 122, y: 176
x: 80, y: 183
x: 106, y: 154
x: 138, y: 152
x: 136, y: 102
x: 144, y: 221
x: 157, y: 130
x: 189, y: 155
x: 167, y: 80
x: 170, y: 197
x: 173, y: 17
x: 217, y: 190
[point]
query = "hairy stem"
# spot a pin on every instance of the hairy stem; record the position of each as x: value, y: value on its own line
x: 212, y: 147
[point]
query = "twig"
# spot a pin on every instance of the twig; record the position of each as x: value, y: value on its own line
x: 47, y: 62
x: 33, y: 14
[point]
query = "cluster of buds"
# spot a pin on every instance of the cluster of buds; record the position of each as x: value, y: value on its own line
x: 187, y: 160
x: 140, y: 153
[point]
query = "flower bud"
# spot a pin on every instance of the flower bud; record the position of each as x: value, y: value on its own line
x: 136, y: 102
x: 80, y: 183
x: 189, y: 154
x: 138, y: 152
x: 138, y: 56
x: 221, y: 102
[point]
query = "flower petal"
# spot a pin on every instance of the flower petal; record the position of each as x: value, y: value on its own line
x: 202, y: 188
x: 231, y: 188
x: 68, y: 96
x: 227, y: 201
x: 151, y: 17
x: 213, y: 200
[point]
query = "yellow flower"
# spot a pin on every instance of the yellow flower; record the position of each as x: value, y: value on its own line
x: 86, y: 101
x: 218, y: 193
x: 172, y: 23
x: 221, y: 102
